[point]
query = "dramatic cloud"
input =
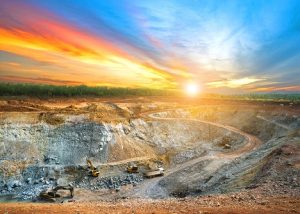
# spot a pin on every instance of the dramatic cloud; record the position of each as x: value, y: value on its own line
x: 234, y: 83
x: 234, y: 45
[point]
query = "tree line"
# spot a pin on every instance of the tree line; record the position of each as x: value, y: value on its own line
x: 42, y: 90
x: 25, y: 89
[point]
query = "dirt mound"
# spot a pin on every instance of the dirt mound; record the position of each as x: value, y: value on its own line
x: 51, y: 118
x: 21, y: 106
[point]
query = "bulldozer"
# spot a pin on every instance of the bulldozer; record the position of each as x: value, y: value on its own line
x: 132, y: 168
x: 94, y: 171
x: 52, y: 195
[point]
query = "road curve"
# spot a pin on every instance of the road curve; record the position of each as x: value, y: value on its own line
x: 252, y: 143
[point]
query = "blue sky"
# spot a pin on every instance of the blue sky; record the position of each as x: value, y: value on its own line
x: 224, y: 46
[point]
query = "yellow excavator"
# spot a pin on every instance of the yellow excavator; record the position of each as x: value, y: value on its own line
x: 94, y: 171
x: 132, y: 168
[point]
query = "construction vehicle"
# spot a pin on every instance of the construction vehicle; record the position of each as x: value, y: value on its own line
x: 132, y: 169
x: 227, y: 146
x: 94, y: 171
x: 154, y: 173
x: 52, y: 195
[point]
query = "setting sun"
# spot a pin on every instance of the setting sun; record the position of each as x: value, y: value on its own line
x: 192, y: 89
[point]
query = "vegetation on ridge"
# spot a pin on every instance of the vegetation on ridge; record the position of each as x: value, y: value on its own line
x: 39, y: 90
x: 10, y: 89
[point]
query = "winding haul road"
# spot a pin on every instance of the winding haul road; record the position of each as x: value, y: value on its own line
x: 150, y: 188
x: 274, y: 122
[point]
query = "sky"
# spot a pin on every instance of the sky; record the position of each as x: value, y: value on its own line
x: 226, y: 46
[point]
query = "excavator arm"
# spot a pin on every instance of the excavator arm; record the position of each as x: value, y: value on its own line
x: 94, y: 171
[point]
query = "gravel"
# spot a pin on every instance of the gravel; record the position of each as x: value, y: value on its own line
x: 111, y: 182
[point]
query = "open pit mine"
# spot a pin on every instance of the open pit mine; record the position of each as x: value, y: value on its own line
x: 150, y: 156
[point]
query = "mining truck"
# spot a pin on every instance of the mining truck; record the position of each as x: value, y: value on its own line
x: 154, y: 173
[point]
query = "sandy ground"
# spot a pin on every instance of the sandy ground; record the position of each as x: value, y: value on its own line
x: 215, y: 204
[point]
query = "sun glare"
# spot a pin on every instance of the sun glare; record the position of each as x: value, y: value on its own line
x: 192, y: 89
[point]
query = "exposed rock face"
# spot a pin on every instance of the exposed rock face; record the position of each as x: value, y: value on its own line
x: 73, y: 143
x: 68, y: 143
x: 34, y: 155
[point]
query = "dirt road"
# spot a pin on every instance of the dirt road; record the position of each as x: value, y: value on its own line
x: 150, y: 188
x: 274, y: 122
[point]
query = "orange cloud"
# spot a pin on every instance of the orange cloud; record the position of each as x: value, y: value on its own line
x: 37, y: 80
x: 65, y: 52
x: 233, y: 83
x: 77, y: 52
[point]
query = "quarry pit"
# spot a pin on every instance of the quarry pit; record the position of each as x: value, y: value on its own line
x: 239, y: 151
